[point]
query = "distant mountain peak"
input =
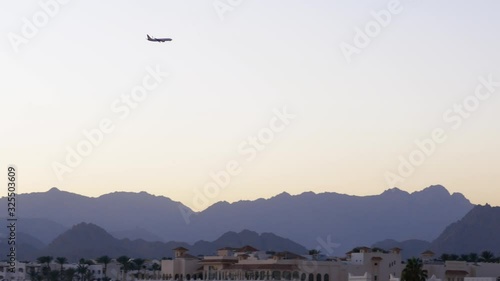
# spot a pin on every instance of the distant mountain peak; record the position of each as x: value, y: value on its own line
x: 437, y: 189
x: 54, y: 189
x: 85, y: 226
x: 475, y: 232
x: 433, y: 192
x: 283, y: 195
x: 395, y: 191
x: 247, y: 231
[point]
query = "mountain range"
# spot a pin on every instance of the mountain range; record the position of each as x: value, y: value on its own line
x: 477, y: 231
x: 309, y: 219
x: 87, y: 240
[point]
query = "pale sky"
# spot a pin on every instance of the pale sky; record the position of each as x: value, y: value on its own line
x: 228, y: 73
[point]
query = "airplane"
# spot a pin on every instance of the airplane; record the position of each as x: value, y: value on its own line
x: 158, y: 39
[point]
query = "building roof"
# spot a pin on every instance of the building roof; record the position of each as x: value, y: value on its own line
x: 428, y: 252
x: 225, y: 248
x: 289, y: 256
x: 273, y: 266
x: 180, y: 249
x: 221, y: 260
x: 451, y: 271
x: 188, y: 256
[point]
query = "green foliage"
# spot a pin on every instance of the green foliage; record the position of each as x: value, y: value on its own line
x: 414, y: 271
x: 487, y: 256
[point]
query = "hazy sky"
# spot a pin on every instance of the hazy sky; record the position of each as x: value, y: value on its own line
x: 355, y: 117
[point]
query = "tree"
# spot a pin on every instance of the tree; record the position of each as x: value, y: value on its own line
x: 473, y: 257
x: 139, y: 263
x: 104, y: 260
x: 61, y: 261
x: 125, y: 262
x: 54, y: 275
x: 464, y: 257
x: 314, y: 253
x: 444, y: 257
x: 69, y: 274
x: 487, y: 256
x: 82, y: 269
x: 34, y: 275
x: 414, y: 271
x: 155, y: 267
x: 45, y: 261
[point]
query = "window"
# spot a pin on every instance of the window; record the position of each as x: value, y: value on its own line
x: 318, y: 277
x: 375, y: 277
x: 327, y: 277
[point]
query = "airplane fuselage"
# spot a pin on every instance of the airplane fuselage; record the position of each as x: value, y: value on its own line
x: 152, y: 39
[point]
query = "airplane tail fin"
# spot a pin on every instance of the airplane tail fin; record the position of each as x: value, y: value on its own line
x: 149, y: 37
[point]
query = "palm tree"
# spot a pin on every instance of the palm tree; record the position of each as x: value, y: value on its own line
x: 155, y: 267
x: 104, y: 260
x: 125, y: 262
x: 444, y: 257
x: 54, y: 275
x: 473, y: 257
x: 34, y: 275
x: 45, y: 261
x: 139, y: 263
x: 464, y: 257
x: 61, y: 261
x: 314, y: 253
x: 69, y: 274
x: 487, y: 256
x: 414, y: 271
x: 82, y: 269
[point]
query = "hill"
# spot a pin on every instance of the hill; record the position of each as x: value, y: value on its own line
x: 350, y: 221
x: 86, y: 240
x: 475, y: 232
x: 308, y: 218
x: 411, y: 248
